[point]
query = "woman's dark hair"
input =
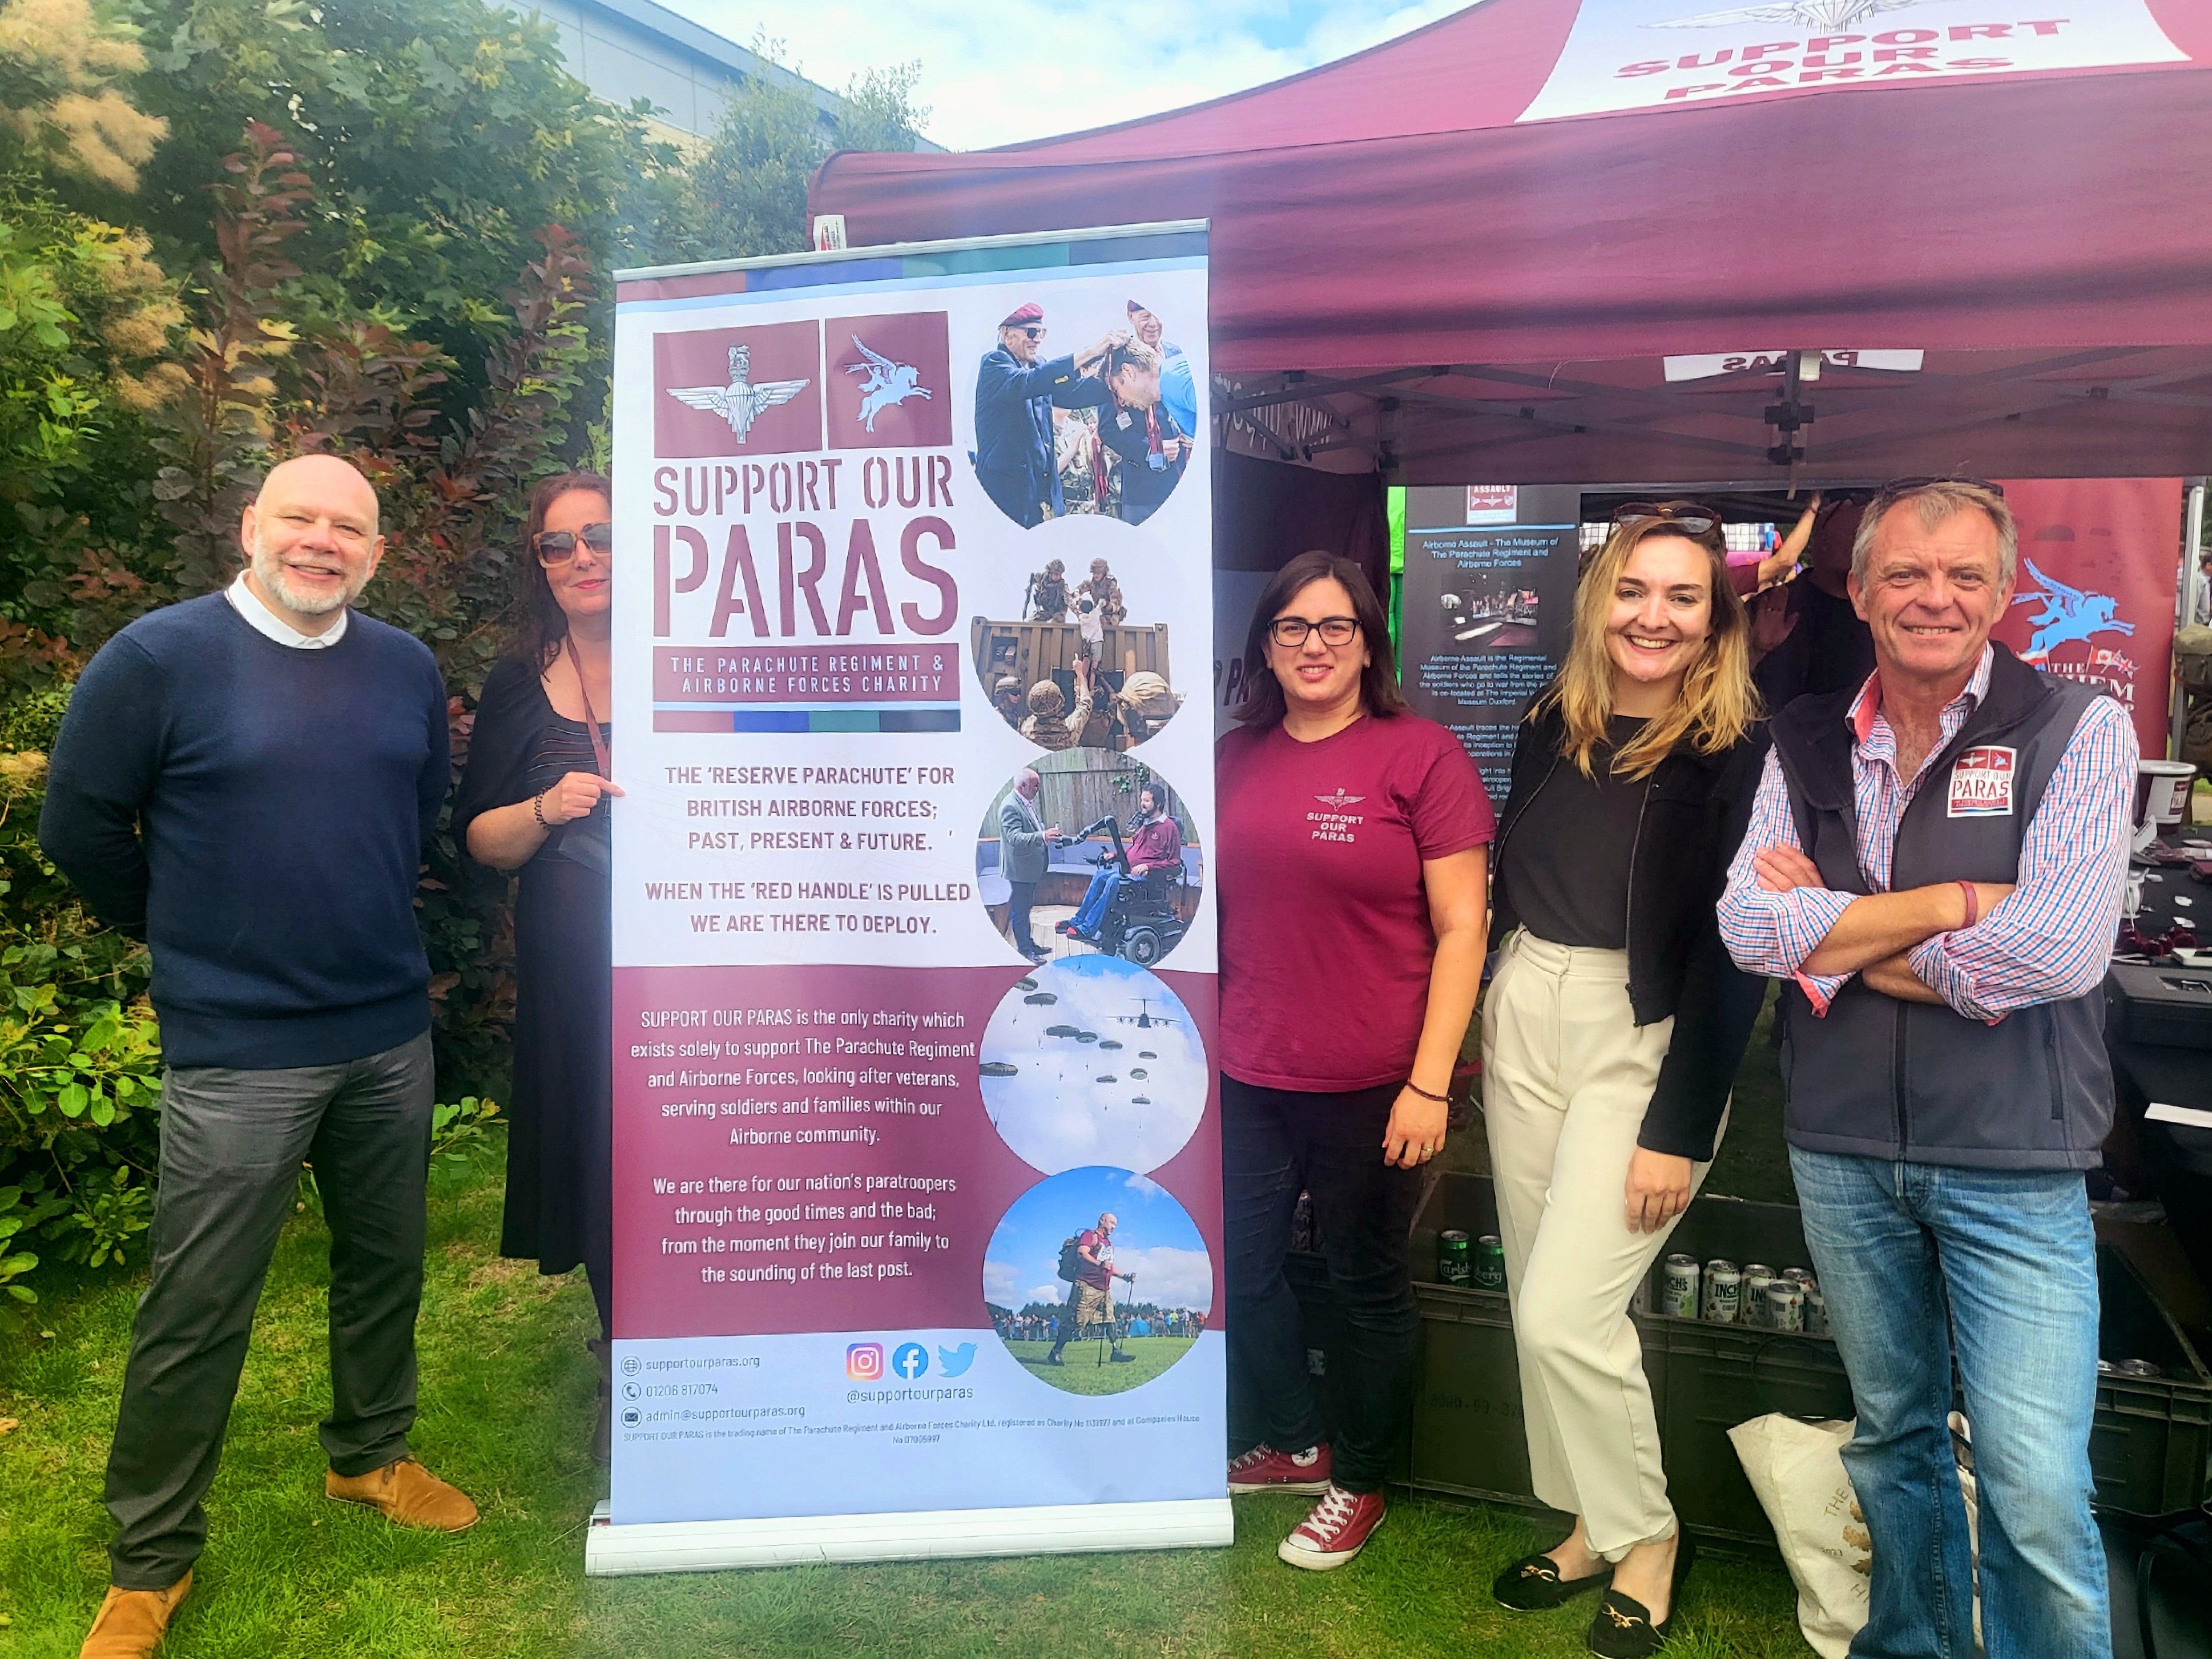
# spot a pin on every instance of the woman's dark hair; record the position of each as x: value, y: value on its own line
x: 543, y: 623
x: 1263, y: 703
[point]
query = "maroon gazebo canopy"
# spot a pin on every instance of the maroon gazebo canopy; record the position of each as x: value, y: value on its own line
x: 1423, y: 250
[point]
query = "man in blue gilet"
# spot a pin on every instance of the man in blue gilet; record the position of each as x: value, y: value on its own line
x: 1933, y: 868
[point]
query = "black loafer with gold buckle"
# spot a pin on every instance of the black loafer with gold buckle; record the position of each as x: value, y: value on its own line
x: 1533, y: 1584
x: 1623, y: 1627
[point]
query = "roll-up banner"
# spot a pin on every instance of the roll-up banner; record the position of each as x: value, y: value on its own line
x: 917, y: 1177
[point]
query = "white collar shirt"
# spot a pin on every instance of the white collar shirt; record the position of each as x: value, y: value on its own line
x: 258, y: 616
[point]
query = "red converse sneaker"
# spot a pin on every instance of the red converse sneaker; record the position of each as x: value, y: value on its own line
x: 1337, y: 1530
x: 1265, y: 1469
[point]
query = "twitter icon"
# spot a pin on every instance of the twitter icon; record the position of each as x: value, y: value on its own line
x: 954, y: 1362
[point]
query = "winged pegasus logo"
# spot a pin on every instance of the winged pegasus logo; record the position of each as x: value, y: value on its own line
x: 2068, y: 613
x: 1820, y: 15
x: 888, y: 384
x: 740, y: 403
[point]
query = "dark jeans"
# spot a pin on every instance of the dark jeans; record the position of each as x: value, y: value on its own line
x: 1275, y: 1143
x: 1022, y: 896
x: 232, y: 1144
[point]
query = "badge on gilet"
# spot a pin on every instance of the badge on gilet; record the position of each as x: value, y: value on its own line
x: 1981, y: 782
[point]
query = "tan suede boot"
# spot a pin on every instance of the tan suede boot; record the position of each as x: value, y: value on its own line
x: 408, y: 1494
x: 131, y: 1623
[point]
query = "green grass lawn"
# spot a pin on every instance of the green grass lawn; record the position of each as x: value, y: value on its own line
x: 507, y: 1406
x: 1088, y: 1367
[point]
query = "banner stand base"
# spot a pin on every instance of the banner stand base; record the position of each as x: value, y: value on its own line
x: 928, y: 1535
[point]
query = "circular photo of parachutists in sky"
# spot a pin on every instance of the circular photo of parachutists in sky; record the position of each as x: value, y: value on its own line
x: 1086, y: 854
x: 1089, y: 409
x: 1090, y: 1061
x: 1074, y: 652
x: 1097, y: 1280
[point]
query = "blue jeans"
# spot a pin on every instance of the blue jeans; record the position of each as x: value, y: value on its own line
x: 1913, y: 1257
x: 1104, y: 883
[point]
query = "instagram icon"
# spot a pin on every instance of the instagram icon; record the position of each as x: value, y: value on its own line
x: 864, y: 1362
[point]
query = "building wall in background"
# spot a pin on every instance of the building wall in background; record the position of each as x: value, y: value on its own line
x: 625, y: 50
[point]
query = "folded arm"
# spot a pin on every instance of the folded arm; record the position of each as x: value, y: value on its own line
x: 1768, y: 930
x: 2052, y: 940
x: 1778, y: 918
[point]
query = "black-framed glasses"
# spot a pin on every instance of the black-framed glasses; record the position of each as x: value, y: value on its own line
x: 1035, y: 330
x: 1689, y: 516
x: 555, y: 547
x: 1291, y: 632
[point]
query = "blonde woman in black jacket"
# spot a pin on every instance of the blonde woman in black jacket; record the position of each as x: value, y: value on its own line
x: 1612, y: 1032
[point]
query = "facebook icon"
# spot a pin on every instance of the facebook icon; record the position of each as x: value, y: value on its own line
x: 910, y: 1360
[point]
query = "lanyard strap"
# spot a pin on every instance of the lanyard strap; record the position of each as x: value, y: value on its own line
x: 600, y: 752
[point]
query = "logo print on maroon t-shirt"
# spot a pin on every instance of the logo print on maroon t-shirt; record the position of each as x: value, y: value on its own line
x: 1336, y: 824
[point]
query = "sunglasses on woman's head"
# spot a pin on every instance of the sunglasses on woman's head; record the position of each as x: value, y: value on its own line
x: 555, y: 547
x: 1687, y: 517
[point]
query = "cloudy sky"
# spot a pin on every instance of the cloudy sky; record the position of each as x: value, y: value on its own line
x: 1010, y: 70
x: 1071, y: 1103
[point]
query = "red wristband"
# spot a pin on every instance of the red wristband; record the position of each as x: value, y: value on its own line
x: 1973, y: 903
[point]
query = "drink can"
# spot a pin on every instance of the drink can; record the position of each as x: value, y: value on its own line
x: 1678, y: 1287
x: 1816, y: 1309
x: 1802, y: 1275
x: 1489, y: 1263
x: 2137, y: 1368
x: 1455, y: 1265
x: 1724, y: 1302
x: 1785, y: 1305
x: 1757, y: 1276
x: 2106, y: 1368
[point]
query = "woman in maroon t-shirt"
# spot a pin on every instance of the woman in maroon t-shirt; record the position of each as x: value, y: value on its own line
x: 1352, y: 890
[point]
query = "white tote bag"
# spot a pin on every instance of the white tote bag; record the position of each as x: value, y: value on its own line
x: 1798, y: 1470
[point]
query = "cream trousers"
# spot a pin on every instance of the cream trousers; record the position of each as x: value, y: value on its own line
x: 1566, y: 1076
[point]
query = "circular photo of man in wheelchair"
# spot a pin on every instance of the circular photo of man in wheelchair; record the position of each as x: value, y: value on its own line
x: 1084, y: 853
x: 1089, y: 1060
x: 1098, y: 1281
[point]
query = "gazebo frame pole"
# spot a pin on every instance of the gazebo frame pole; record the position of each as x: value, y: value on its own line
x: 2192, y: 538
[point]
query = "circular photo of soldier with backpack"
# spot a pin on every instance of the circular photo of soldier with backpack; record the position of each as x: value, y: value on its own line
x: 1085, y: 853
x: 1097, y: 1281
x: 1090, y: 1061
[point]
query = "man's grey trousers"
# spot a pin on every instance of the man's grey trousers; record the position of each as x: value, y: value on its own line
x: 232, y: 1145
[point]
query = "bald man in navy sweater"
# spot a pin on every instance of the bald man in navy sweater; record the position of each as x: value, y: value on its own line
x: 246, y: 782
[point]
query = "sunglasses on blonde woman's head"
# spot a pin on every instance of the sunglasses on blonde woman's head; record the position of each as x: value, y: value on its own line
x: 1289, y: 632
x: 558, y: 547
x: 1688, y: 517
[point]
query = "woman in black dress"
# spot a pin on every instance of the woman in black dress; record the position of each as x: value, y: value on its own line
x: 534, y: 798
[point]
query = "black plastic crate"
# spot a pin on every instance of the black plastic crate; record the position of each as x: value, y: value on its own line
x: 2150, y: 1452
x: 1716, y: 1376
x: 1467, y: 1438
x: 2149, y: 1449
